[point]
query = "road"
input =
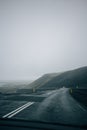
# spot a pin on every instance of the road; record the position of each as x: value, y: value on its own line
x: 57, y: 106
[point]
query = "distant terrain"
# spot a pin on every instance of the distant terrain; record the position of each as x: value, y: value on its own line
x: 12, y: 86
x: 70, y: 79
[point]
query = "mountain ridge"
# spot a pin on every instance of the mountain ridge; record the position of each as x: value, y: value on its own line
x: 72, y: 78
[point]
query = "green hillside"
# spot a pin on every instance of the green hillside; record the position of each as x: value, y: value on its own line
x: 37, y: 83
x: 42, y: 80
x: 73, y: 78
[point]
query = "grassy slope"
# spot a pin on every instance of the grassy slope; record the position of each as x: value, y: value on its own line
x: 77, y: 77
x: 42, y: 80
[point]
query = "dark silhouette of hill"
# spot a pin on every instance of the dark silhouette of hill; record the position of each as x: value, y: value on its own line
x: 37, y: 83
x: 42, y: 80
x: 73, y: 78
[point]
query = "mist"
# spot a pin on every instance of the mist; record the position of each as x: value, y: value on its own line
x: 41, y: 36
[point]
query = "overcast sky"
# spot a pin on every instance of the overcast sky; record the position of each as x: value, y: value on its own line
x: 41, y: 36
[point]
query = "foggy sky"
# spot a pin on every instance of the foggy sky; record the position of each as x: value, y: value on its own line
x: 41, y: 36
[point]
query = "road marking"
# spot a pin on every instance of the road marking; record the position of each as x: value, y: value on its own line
x: 21, y: 109
x: 14, y: 110
x: 81, y: 107
x: 11, y: 114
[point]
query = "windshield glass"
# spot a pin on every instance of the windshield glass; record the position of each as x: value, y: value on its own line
x: 43, y: 66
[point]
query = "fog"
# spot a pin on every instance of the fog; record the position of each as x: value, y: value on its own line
x: 41, y: 36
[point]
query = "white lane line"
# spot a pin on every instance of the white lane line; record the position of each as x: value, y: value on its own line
x: 20, y: 109
x: 14, y: 110
x: 9, y: 115
x: 81, y: 107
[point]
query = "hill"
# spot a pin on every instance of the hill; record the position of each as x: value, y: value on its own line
x: 42, y: 80
x: 73, y: 78
x: 37, y: 83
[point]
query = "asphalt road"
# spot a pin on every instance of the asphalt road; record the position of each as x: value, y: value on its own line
x: 57, y: 106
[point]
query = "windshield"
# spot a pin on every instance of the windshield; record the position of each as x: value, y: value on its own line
x: 43, y: 66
